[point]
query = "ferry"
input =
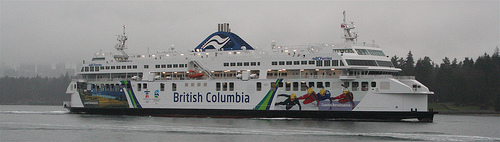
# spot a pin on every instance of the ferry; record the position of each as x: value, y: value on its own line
x: 225, y: 77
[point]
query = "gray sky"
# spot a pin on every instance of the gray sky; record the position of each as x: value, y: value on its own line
x: 61, y: 31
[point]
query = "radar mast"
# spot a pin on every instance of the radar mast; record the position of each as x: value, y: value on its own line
x: 350, y: 37
x: 120, y: 46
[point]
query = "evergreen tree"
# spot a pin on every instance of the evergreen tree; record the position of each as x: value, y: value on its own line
x: 408, y: 65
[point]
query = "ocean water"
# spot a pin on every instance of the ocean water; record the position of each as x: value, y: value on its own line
x: 54, y: 123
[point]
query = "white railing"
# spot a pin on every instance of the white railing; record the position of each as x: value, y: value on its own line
x: 404, y: 77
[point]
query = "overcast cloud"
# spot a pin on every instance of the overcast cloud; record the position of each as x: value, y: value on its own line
x: 61, y: 31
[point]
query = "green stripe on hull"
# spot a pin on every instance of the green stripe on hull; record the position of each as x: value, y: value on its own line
x: 265, y: 103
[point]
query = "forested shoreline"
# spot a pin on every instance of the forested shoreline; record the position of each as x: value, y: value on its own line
x: 464, y: 83
x: 34, y: 91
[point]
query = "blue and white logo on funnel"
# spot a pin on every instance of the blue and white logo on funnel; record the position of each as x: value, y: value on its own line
x: 216, y: 42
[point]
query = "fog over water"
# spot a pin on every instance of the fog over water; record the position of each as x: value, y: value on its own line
x: 51, y: 32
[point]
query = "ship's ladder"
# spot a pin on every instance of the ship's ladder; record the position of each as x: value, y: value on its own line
x: 199, y: 66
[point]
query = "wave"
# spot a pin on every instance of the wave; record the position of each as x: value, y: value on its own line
x: 406, y: 136
x: 57, y: 112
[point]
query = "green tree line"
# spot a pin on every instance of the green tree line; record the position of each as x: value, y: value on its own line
x: 34, y: 90
x: 463, y: 83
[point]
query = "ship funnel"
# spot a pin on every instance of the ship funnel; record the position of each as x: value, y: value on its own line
x: 224, y: 27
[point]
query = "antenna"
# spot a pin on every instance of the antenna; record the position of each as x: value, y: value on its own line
x: 124, y: 29
x: 120, y: 46
x: 349, y: 36
x: 344, y: 16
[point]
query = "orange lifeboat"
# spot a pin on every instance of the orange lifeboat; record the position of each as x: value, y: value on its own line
x: 195, y: 75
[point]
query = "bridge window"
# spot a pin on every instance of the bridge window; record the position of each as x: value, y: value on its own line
x: 113, y: 67
x: 134, y: 66
x: 385, y: 63
x: 327, y: 84
x: 239, y: 64
x: 145, y: 86
x: 169, y: 65
x: 376, y: 52
x: 175, y: 65
x: 362, y: 52
x: 246, y: 64
x: 253, y: 63
x: 162, y: 87
x: 129, y: 67
x: 296, y: 62
x: 362, y: 62
x: 288, y: 62
x: 164, y: 66
x: 274, y: 63
x: 282, y: 62
x: 174, y: 87
x: 146, y: 66
x: 226, y: 64
x: 233, y: 64
x: 124, y: 67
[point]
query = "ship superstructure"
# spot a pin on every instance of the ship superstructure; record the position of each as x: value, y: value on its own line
x: 224, y: 76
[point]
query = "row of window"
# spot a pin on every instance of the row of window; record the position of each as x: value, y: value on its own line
x: 107, y: 87
x: 242, y: 64
x: 369, y: 63
x: 370, y: 52
x: 318, y: 63
x: 168, y: 66
x: 294, y: 86
x: 97, y: 68
x: 229, y: 86
x: 361, y: 51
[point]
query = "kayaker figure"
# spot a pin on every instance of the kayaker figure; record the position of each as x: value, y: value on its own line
x: 290, y: 102
x: 309, y: 97
x: 345, y: 97
x: 323, y: 95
